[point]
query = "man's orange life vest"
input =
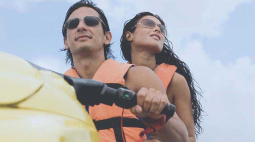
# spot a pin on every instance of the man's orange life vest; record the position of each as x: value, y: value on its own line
x: 108, y: 118
x: 165, y: 72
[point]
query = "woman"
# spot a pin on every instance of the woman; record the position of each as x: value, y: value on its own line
x: 144, y: 43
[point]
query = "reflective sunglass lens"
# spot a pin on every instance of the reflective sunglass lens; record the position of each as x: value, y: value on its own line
x: 151, y: 24
x: 73, y: 23
x: 163, y: 29
x: 148, y: 23
x: 91, y: 21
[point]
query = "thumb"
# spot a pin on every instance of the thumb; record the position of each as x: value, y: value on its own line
x: 136, y: 109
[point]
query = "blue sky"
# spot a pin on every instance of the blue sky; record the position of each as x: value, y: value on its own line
x: 237, y: 36
x: 215, y: 38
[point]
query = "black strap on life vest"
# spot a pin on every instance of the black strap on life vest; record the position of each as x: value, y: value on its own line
x: 115, y: 123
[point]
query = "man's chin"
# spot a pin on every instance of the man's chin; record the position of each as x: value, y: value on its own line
x: 84, y: 47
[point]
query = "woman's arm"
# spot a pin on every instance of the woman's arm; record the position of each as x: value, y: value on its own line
x: 179, y: 94
x: 137, y: 77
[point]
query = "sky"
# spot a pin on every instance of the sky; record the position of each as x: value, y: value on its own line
x: 214, y: 37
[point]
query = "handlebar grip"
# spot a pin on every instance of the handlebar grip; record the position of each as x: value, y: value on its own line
x: 127, y: 99
x: 169, y: 110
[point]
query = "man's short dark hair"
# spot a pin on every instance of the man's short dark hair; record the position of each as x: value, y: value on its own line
x: 90, y: 4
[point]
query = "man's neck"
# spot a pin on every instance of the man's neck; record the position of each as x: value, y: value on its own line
x: 87, y: 66
x: 143, y: 58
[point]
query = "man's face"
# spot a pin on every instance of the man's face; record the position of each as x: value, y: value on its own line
x: 85, y: 39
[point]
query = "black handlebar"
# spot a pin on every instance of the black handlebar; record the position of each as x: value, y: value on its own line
x: 91, y: 92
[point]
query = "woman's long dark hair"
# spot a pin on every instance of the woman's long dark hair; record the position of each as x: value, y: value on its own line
x: 169, y: 57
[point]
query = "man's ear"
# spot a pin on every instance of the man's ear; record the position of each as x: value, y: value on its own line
x: 66, y: 45
x: 129, y: 36
x: 108, y: 38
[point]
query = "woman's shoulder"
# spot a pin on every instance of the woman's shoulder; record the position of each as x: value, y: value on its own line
x: 178, y: 87
x: 178, y: 79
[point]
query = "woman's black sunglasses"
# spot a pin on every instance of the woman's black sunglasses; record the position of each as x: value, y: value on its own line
x: 88, y: 20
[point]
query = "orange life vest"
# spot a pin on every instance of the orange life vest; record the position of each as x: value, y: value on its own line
x: 165, y: 73
x: 108, y: 118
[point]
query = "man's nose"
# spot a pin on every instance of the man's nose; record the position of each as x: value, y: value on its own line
x: 82, y: 26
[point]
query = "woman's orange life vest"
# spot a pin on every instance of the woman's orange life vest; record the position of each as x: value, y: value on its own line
x: 165, y: 72
x: 108, y: 118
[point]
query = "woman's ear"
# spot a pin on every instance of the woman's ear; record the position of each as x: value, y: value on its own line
x: 129, y: 36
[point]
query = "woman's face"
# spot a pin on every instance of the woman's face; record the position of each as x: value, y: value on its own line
x: 151, y: 39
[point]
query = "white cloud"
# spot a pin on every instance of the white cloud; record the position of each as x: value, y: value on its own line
x: 71, y: 1
x: 19, y: 5
x: 2, y: 29
x: 183, y: 17
x: 51, y: 63
x: 228, y: 90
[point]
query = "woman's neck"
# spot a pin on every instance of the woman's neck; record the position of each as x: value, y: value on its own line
x: 143, y: 58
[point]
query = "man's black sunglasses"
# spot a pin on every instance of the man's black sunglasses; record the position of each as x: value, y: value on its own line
x: 88, y: 20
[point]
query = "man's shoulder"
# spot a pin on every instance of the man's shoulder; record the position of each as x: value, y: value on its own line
x: 113, y: 65
x: 111, y: 71
x: 71, y: 72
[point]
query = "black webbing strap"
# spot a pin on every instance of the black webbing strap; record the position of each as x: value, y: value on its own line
x: 115, y: 123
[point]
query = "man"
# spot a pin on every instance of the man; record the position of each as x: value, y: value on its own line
x: 87, y: 39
